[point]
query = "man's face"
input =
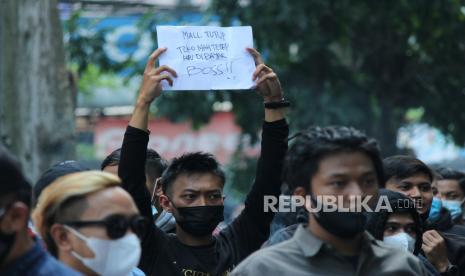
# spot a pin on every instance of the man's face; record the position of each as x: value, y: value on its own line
x: 416, y: 187
x: 398, y: 223
x: 449, y: 189
x: 13, y: 226
x: 346, y: 174
x: 194, y: 190
x: 434, y: 187
x: 100, y: 205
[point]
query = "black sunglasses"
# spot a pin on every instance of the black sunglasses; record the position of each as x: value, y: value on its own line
x: 116, y: 225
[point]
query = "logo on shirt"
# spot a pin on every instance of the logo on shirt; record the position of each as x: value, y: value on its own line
x: 190, y: 272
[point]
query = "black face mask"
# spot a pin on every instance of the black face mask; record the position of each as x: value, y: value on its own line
x: 341, y: 224
x: 200, y: 220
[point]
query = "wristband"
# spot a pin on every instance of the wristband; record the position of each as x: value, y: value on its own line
x: 279, y: 104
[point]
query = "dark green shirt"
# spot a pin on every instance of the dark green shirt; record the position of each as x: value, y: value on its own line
x: 306, y: 255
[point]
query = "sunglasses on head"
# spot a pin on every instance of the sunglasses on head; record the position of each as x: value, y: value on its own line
x: 116, y: 225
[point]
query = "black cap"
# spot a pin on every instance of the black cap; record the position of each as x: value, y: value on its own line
x: 57, y: 170
x: 11, y: 177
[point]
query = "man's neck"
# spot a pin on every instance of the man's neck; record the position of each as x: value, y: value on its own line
x: 190, y: 240
x: 345, y: 246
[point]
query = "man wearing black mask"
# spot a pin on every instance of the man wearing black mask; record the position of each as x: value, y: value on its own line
x: 193, y: 187
x: 19, y: 253
x: 332, y: 162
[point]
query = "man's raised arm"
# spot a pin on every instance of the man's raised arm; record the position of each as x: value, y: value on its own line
x: 131, y: 168
x: 133, y: 152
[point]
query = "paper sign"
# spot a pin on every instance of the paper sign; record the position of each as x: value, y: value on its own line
x: 206, y: 57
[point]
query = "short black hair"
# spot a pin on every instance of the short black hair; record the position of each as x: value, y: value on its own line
x: 12, y: 181
x: 111, y: 160
x: 451, y: 174
x: 70, y: 210
x: 399, y: 167
x: 311, y: 146
x: 191, y: 163
x: 154, y: 163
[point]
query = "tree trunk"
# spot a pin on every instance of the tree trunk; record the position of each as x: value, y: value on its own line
x: 388, y: 128
x: 36, y: 99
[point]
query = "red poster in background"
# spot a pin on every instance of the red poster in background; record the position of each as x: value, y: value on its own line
x: 221, y: 137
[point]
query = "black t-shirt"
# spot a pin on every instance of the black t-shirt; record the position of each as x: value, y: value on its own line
x: 163, y: 254
x: 353, y: 260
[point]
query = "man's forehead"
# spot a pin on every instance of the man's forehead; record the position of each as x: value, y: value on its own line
x: 401, y: 218
x: 415, y: 179
x: 448, y: 183
x: 202, y: 190
x: 346, y: 163
x: 109, y: 201
x: 198, y: 182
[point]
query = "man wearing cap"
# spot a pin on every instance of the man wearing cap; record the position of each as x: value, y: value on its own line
x: 57, y: 170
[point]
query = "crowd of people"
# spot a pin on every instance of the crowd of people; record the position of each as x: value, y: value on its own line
x: 143, y: 215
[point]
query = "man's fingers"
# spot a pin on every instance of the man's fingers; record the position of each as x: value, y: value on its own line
x: 268, y: 76
x: 256, y: 56
x: 153, y: 57
x: 166, y: 77
x: 426, y: 236
x: 436, y: 235
x: 261, y: 68
x: 165, y: 68
x: 426, y: 248
x: 429, y: 240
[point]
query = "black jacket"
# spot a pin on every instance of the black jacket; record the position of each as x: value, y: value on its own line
x: 376, y: 221
x: 164, y: 254
x: 454, y: 236
x: 444, y: 224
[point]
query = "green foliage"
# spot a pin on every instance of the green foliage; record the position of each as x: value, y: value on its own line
x: 85, y: 151
x: 241, y: 174
x: 363, y: 63
x: 92, y: 77
x: 83, y: 46
x: 370, y: 64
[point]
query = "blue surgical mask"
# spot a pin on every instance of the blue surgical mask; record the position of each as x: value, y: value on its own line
x: 435, y: 210
x: 454, y: 207
x: 154, y: 211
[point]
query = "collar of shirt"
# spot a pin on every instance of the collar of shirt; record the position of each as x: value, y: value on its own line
x: 311, y: 245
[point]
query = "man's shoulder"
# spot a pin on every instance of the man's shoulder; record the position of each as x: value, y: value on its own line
x: 51, y: 266
x: 396, y: 258
x: 281, y: 235
x: 270, y: 258
x: 289, y: 246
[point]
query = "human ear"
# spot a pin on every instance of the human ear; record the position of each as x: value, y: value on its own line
x: 165, y: 203
x: 16, y: 217
x: 61, y: 237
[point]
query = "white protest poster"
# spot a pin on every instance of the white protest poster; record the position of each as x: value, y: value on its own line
x: 207, y: 57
